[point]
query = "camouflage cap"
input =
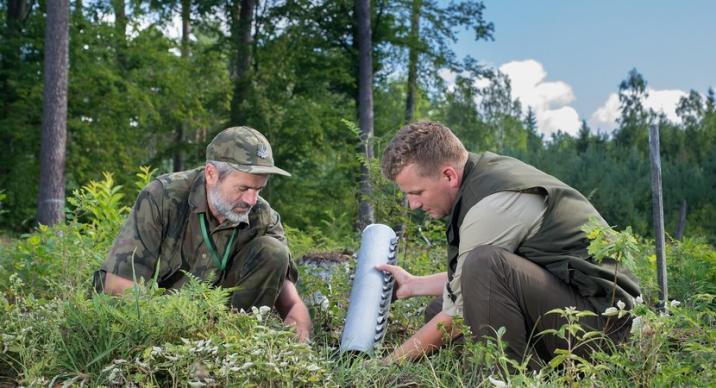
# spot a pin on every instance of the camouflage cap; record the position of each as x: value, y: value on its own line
x: 245, y: 149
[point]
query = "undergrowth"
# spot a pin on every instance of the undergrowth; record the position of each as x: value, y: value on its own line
x: 55, y: 331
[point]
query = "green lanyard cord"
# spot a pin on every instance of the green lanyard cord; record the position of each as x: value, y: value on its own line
x: 210, y: 244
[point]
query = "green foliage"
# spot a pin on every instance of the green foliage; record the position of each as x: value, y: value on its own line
x: 151, y: 338
x: 99, y: 206
x: 54, y: 332
x: 52, y: 261
x: 575, y: 336
x: 135, y: 100
x: 607, y: 242
x: 690, y: 269
x: 3, y: 198
x: 674, y: 349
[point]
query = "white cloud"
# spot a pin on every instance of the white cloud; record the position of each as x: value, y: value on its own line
x: 661, y: 101
x: 665, y: 101
x: 548, y: 99
x: 604, y: 119
x: 564, y: 118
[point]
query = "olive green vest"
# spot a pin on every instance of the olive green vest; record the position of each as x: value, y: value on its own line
x: 559, y: 246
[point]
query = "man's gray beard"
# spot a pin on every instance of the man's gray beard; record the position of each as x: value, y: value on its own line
x: 225, y: 209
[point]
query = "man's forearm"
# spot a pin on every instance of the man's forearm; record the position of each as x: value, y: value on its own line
x: 294, y: 311
x: 300, y: 318
x: 424, y: 341
x: 430, y: 285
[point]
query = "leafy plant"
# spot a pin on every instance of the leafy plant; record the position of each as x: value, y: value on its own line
x: 98, y: 205
x: 571, y: 360
x: 608, y: 242
x: 3, y: 197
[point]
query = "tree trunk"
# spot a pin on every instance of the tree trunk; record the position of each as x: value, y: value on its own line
x: 183, y: 127
x: 17, y: 10
x: 365, y: 108
x: 51, y: 199
x: 120, y: 28
x: 413, y: 47
x: 242, y: 80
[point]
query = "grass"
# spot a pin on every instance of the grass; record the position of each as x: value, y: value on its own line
x: 55, y: 331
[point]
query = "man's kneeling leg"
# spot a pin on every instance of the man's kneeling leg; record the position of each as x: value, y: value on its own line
x: 502, y: 289
x: 258, y: 270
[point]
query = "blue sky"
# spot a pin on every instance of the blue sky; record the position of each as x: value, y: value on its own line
x: 567, y: 58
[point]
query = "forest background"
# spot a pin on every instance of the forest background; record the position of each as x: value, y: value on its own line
x: 139, y: 96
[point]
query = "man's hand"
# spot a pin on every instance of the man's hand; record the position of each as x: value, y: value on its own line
x: 403, y: 280
x: 426, y: 340
x: 294, y: 312
x: 115, y: 285
x: 410, y: 285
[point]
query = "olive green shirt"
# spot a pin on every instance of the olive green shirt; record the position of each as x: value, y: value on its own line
x: 162, y: 235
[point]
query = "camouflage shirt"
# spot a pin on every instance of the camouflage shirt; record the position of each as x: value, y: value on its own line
x: 163, y: 233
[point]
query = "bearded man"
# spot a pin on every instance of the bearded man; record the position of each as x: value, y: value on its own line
x: 211, y: 222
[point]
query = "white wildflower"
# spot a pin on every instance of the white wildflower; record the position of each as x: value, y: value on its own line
x: 675, y: 303
x: 497, y: 383
x: 264, y: 310
x: 610, y: 312
x: 639, y: 300
x: 621, y: 304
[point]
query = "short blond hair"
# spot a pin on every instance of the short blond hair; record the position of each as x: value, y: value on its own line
x: 427, y: 144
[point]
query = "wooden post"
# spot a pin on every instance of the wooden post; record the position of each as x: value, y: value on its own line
x: 682, y: 221
x: 658, y: 212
